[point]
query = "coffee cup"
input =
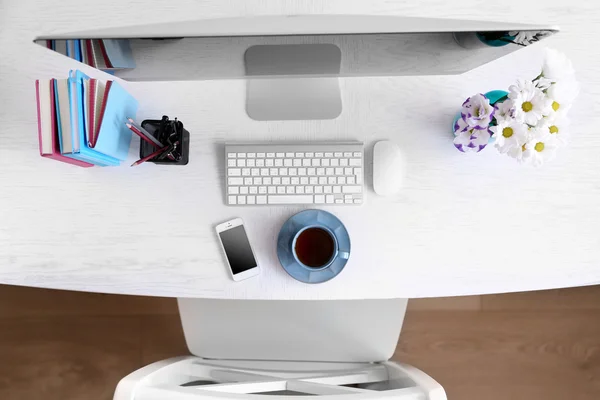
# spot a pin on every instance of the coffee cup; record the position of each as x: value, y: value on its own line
x: 315, y: 247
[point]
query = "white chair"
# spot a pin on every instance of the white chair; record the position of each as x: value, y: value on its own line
x: 252, y: 349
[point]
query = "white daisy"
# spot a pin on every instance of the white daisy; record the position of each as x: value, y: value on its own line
x: 540, y: 148
x: 504, y: 111
x: 556, y: 66
x: 509, y: 134
x: 562, y: 94
x: 530, y: 103
x: 559, y: 127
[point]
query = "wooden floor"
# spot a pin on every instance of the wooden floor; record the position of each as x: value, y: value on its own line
x: 544, y: 345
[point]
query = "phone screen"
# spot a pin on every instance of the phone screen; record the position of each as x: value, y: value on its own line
x: 238, y: 250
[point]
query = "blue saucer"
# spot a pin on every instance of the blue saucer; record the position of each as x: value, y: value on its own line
x: 299, y: 221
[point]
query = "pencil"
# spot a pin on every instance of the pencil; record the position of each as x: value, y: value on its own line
x: 144, y: 131
x: 140, y: 134
x: 149, y: 157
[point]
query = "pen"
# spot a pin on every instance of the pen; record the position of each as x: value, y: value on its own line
x: 140, y: 134
x: 149, y: 157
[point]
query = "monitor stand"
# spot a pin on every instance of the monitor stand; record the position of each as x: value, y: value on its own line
x: 293, y: 82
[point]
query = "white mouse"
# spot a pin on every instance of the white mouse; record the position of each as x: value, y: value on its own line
x: 388, y: 168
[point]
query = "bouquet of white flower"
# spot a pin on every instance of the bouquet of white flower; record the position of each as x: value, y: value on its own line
x: 529, y: 122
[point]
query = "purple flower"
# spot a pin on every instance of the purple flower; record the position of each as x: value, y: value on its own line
x: 472, y: 140
x: 477, y: 112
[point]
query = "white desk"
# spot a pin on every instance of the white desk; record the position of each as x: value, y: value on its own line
x: 463, y: 224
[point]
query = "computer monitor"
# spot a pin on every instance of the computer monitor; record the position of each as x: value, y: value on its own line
x: 292, y: 63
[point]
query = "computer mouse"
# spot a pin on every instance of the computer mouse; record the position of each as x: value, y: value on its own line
x: 388, y: 168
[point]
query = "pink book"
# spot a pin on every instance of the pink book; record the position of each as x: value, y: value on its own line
x: 47, y: 129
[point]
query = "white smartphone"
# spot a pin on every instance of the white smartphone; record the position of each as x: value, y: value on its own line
x: 237, y: 249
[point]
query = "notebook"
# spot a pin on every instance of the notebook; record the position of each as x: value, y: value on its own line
x: 117, y: 53
x: 47, y: 123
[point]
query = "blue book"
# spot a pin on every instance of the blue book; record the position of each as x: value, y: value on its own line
x: 118, y: 53
x: 81, y: 150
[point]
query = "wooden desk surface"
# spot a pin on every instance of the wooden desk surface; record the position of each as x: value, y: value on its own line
x: 463, y: 224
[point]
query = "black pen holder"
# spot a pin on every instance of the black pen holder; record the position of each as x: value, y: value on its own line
x: 156, y: 128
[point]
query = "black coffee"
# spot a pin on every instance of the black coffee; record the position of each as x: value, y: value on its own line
x: 314, y: 247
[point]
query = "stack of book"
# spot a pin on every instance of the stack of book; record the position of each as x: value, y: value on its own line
x: 105, y: 54
x: 82, y: 120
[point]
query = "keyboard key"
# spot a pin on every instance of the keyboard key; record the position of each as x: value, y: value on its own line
x: 290, y: 155
x: 253, y: 190
x: 267, y: 181
x: 285, y: 180
x: 351, y: 180
x: 260, y: 163
x: 269, y: 162
x: 348, y: 171
x: 262, y: 190
x: 241, y: 199
x: 288, y: 162
x: 293, y: 171
x: 300, y: 189
x: 328, y: 155
x: 313, y: 180
x: 280, y: 155
x: 318, y: 189
x: 357, y: 154
x: 341, y: 180
x: 355, y: 162
x: 264, y: 172
x: 304, y: 180
x: 325, y: 162
x: 322, y: 180
x: 234, y: 190
x: 357, y: 201
x: 251, y: 155
x: 309, y: 155
x: 316, y: 162
x: 347, y: 154
x: 245, y: 171
x: 348, y: 196
x: 241, y: 163
x: 352, y: 189
x: 235, y: 181
x: 339, y: 201
x: 339, y: 171
x: 257, y: 181
x: 244, y: 190
x: 290, y: 190
x: 295, y: 180
x: 241, y: 155
x: 247, y: 181
x: 311, y: 171
x: 270, y: 155
x: 337, y: 189
x: 302, y: 171
x: 231, y: 155
x: 231, y: 163
x: 260, y: 155
x: 255, y: 172
x: 291, y: 199
x: 276, y: 180
x: 280, y: 189
x: 297, y: 162
x: 335, y: 162
x: 261, y: 199
x: 234, y: 172
x: 332, y: 180
x: 344, y: 162
x: 300, y: 155
x: 306, y: 162
x: 251, y: 200
x: 272, y: 190
x: 319, y: 199
x: 274, y: 171
x: 320, y: 171
x: 283, y: 171
x: 318, y: 155
x: 251, y: 163
x: 347, y: 201
x: 232, y: 200
x: 327, y: 189
x: 329, y: 199
x: 308, y: 189
x: 337, y: 154
x: 279, y: 162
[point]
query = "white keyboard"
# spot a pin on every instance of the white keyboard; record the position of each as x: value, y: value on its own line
x: 316, y: 173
